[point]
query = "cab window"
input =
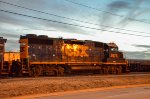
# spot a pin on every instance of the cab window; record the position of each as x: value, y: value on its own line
x: 113, y: 49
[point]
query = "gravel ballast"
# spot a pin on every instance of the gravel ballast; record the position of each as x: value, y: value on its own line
x: 45, y: 85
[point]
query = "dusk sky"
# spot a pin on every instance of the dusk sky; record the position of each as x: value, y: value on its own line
x: 125, y: 22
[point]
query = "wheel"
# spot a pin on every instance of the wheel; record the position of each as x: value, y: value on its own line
x: 35, y: 71
x: 105, y: 70
x: 60, y: 71
x: 119, y: 70
x: 113, y: 70
x: 31, y: 72
x: 55, y: 72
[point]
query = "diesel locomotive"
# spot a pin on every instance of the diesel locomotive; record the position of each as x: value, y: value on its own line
x: 42, y: 55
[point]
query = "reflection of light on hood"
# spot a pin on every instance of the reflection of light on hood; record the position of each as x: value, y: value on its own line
x: 75, y: 47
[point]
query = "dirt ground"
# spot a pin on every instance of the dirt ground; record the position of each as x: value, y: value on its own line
x: 44, y: 85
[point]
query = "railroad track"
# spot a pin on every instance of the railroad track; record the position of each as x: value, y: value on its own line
x: 76, y: 77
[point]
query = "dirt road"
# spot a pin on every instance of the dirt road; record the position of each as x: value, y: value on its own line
x: 121, y: 93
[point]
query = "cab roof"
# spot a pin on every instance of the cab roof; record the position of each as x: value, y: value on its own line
x: 112, y: 45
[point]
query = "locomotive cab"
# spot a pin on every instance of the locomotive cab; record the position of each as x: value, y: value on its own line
x: 114, y: 58
x: 111, y: 52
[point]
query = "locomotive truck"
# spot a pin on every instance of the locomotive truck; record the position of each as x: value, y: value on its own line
x: 42, y: 55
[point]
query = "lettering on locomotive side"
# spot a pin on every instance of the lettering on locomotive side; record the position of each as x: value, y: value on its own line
x: 75, y: 50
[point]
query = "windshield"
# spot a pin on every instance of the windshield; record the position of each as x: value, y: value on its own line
x: 114, y: 49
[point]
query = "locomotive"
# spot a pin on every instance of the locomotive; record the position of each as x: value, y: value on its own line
x: 42, y: 55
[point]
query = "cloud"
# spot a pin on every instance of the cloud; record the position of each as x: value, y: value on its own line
x: 112, y: 18
x: 66, y: 28
x: 12, y: 26
x: 12, y: 45
x: 32, y: 23
x: 123, y: 13
x: 134, y: 10
x: 9, y: 35
x: 137, y: 55
x: 118, y: 5
x: 142, y: 46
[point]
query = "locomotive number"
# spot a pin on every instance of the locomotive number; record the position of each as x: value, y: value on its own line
x: 114, y: 55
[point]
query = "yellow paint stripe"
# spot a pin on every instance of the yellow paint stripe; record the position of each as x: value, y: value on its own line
x: 65, y: 63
